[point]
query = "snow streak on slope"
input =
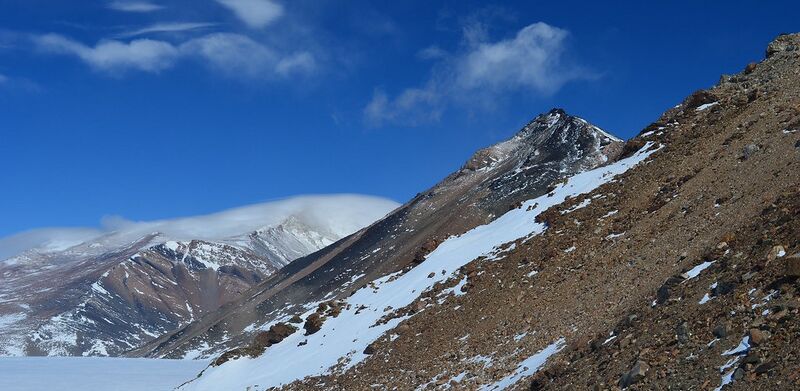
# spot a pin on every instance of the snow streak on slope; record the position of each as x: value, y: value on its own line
x: 342, y: 339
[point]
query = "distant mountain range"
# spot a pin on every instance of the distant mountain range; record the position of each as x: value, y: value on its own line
x: 118, y: 290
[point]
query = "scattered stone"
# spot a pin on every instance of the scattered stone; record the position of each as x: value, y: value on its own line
x: 765, y: 367
x: 749, y: 68
x: 635, y: 375
x: 662, y: 295
x: 721, y: 331
x: 296, y: 319
x: 370, y: 349
x: 749, y: 150
x: 431, y: 275
x: 682, y: 332
x: 757, y: 337
x: 738, y: 374
x: 775, y: 253
x: 722, y: 288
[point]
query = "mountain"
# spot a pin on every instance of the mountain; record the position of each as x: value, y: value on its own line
x: 493, y: 181
x: 120, y: 289
x: 673, y: 265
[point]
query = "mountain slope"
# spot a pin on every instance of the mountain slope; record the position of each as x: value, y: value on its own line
x: 679, y: 273
x: 105, y: 296
x: 494, y: 180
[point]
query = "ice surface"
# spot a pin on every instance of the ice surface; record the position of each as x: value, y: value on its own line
x: 94, y: 373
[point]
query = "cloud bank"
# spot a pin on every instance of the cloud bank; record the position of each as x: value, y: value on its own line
x: 233, y: 54
x: 532, y: 60
x: 340, y: 214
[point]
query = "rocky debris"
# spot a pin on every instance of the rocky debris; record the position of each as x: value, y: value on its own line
x: 784, y: 43
x: 635, y: 375
x: 296, y: 319
x: 313, y: 323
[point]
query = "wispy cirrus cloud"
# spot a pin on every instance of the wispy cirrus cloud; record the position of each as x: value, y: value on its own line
x: 168, y: 27
x: 234, y: 55
x: 134, y: 6
x: 532, y: 60
x: 254, y: 13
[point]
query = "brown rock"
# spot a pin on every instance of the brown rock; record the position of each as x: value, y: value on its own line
x: 313, y: 323
x: 757, y: 337
x: 793, y: 265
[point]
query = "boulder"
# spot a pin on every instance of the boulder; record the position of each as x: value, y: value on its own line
x: 313, y: 323
x: 635, y: 375
x: 793, y: 265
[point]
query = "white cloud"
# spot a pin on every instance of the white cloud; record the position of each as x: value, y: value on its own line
x: 531, y: 61
x: 114, y: 56
x: 240, y: 56
x: 254, y: 13
x: 134, y: 6
x: 340, y: 214
x: 3, y: 78
x: 170, y: 27
x: 234, y: 55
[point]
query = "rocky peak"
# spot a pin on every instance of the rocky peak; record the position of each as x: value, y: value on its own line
x: 556, y: 134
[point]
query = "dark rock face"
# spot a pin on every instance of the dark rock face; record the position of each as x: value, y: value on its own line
x: 494, y: 179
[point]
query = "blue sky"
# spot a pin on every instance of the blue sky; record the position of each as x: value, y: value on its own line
x: 158, y: 109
